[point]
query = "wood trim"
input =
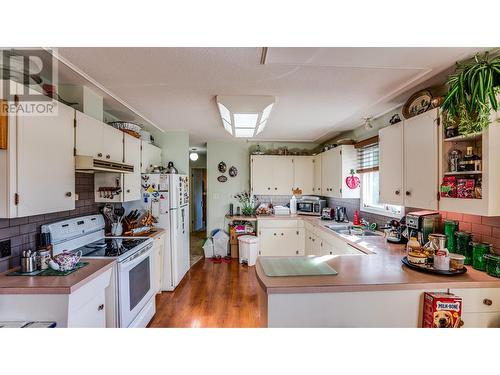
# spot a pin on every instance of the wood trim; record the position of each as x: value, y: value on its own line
x: 4, y: 125
x: 366, y: 142
x: 366, y: 170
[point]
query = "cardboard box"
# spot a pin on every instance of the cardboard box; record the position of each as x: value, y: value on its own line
x: 441, y: 310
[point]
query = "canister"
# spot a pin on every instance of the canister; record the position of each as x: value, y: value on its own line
x: 464, y: 245
x: 450, y: 227
x: 42, y: 259
x: 479, y: 250
x: 492, y: 264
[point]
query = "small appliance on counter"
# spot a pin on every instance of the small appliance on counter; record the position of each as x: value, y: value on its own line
x: 341, y: 214
x: 328, y: 213
x: 395, y: 230
x: 310, y: 205
x: 422, y: 223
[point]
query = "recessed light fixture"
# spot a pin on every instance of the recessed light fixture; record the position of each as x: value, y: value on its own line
x: 193, y: 155
x: 245, y: 116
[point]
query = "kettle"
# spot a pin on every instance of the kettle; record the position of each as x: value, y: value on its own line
x: 341, y: 214
x: 171, y: 169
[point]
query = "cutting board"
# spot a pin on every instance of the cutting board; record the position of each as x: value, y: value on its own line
x: 296, y: 266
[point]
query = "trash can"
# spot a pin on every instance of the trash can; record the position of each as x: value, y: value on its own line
x: 249, y: 249
x: 208, y: 248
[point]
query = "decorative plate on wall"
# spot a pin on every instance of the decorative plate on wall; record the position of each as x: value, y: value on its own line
x: 233, y: 171
x: 417, y: 104
x: 222, y: 178
x: 222, y: 167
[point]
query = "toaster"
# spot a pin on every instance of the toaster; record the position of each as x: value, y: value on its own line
x: 328, y: 214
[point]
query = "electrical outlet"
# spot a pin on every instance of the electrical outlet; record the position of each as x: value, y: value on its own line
x: 5, y: 249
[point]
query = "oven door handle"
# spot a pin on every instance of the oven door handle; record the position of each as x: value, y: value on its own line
x: 138, y: 256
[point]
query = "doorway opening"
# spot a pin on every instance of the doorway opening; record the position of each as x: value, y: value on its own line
x: 199, y: 212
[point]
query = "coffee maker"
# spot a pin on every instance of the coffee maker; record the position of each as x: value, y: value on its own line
x: 422, y: 223
x: 395, y: 231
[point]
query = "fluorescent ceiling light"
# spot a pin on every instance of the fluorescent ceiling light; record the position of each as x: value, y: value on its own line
x: 193, y: 156
x: 245, y: 120
x: 245, y: 116
x: 243, y: 133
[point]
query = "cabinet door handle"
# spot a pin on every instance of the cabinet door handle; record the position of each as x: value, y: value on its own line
x: 128, y: 190
x: 281, y: 233
x: 487, y: 302
x: 275, y: 234
x: 397, y: 192
x: 268, y: 188
x: 275, y: 188
x: 100, y: 307
x: 297, y: 252
x: 69, y: 194
x: 408, y: 193
x: 107, y: 156
x: 99, y: 155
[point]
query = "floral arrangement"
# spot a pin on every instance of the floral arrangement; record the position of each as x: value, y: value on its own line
x: 247, y: 202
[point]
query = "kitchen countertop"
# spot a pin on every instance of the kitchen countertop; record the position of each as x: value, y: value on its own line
x: 380, y: 269
x: 152, y: 234
x: 54, y: 284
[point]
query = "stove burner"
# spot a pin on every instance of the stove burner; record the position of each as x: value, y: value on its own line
x: 110, y: 247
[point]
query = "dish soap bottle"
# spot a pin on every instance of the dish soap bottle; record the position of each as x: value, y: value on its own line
x: 356, y: 220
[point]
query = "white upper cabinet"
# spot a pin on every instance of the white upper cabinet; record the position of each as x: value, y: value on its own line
x: 282, y: 175
x: 409, y: 162
x: 97, y: 139
x: 391, y: 164
x: 132, y: 181
x: 336, y: 166
x: 303, y: 174
x: 45, y: 164
x: 37, y: 173
x: 421, y: 160
x: 150, y: 156
x: 271, y: 175
x: 317, y: 189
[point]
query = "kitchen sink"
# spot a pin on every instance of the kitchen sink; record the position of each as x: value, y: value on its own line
x: 346, y: 230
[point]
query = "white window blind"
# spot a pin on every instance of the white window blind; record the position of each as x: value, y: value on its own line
x: 368, y: 155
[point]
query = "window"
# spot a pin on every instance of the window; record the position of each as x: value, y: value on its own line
x: 368, y: 158
x: 370, y: 197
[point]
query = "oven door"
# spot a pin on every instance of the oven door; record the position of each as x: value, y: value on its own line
x: 135, y: 287
x: 305, y: 207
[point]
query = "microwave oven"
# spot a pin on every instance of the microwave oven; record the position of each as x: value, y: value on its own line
x: 310, y: 206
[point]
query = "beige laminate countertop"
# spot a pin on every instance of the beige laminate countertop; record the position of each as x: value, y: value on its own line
x: 54, y: 284
x: 380, y: 269
x: 156, y: 232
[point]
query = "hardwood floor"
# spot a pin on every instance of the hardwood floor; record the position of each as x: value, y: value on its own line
x: 211, y: 295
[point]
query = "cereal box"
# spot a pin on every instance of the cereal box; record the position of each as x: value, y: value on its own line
x: 441, y: 310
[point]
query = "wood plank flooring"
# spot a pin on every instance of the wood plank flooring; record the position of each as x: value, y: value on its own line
x: 211, y: 295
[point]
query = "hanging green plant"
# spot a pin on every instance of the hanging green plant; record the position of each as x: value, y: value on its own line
x: 472, y: 93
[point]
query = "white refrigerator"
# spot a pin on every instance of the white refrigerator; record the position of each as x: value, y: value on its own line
x: 167, y: 196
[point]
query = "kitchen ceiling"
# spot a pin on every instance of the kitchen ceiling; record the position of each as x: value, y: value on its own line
x: 319, y: 91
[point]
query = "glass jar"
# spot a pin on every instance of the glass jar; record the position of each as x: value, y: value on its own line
x: 450, y: 227
x: 464, y: 245
x: 479, y: 250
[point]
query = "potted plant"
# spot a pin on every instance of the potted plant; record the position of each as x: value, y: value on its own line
x: 472, y: 93
x: 247, y: 202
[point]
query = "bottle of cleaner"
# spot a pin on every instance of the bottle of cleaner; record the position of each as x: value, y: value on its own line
x: 293, y: 205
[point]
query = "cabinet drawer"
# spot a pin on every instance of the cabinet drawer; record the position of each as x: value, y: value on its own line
x: 478, y: 300
x: 481, y: 320
x: 278, y: 223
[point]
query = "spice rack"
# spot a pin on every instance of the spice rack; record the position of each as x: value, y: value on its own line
x: 485, y: 177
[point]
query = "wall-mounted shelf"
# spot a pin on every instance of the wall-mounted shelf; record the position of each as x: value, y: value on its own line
x: 466, y: 173
x: 464, y: 138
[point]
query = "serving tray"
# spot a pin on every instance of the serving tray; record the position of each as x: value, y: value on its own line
x: 427, y: 268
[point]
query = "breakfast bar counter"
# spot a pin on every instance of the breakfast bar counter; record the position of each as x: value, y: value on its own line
x: 376, y: 279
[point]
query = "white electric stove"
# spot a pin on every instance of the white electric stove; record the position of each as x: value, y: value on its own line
x: 133, y: 301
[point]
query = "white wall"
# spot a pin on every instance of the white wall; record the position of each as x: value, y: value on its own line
x: 175, y: 147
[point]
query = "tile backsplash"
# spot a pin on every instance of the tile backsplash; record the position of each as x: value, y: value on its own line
x: 22, y: 231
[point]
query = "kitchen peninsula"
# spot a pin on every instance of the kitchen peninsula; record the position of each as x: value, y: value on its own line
x: 372, y: 289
